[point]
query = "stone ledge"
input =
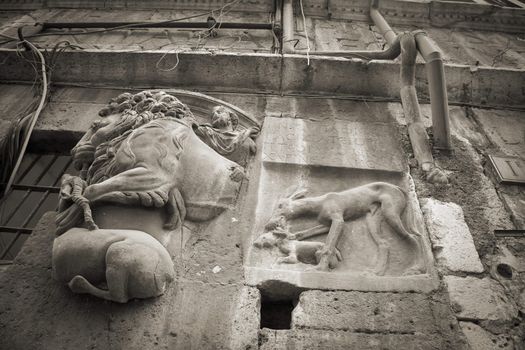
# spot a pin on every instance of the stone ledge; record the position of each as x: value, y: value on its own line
x: 341, y: 281
x: 426, y: 13
x: 269, y: 73
x: 309, y: 339
x: 400, y: 313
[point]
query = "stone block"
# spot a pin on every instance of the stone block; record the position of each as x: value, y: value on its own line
x: 215, y: 311
x: 38, y: 313
x: 310, y: 339
x: 483, y: 300
x: 336, y: 144
x: 451, y: 239
x: 246, y: 320
x: 37, y: 249
x: 401, y: 313
x: 504, y: 128
x: 480, y: 339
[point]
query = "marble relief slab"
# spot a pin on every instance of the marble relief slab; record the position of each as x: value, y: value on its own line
x: 324, y: 157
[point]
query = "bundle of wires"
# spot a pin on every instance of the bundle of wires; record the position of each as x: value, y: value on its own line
x: 14, y: 144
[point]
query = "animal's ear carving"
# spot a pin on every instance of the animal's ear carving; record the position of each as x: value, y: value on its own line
x: 280, y: 233
x: 300, y: 193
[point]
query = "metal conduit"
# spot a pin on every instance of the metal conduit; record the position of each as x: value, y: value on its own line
x: 289, y: 41
x: 381, y: 23
x: 288, y: 27
x: 416, y: 128
x: 133, y: 25
x: 435, y: 75
x: 438, y: 90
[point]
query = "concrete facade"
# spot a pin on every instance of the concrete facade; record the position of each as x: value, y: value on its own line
x: 328, y: 123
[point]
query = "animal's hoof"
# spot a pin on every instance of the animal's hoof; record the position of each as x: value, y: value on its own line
x: 92, y: 227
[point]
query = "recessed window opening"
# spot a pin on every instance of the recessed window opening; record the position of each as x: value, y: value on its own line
x: 276, y: 314
x: 34, y: 192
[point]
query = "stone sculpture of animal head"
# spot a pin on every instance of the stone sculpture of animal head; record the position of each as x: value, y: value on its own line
x: 271, y: 239
x: 284, y: 209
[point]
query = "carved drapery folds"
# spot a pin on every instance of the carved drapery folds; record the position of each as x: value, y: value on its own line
x: 149, y: 151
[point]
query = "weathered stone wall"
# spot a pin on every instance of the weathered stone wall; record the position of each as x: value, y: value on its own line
x: 469, y: 297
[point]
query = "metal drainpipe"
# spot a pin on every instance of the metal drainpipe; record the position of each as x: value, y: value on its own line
x: 288, y: 26
x: 438, y: 90
x: 379, y: 21
x: 288, y: 40
x: 416, y: 128
x: 435, y: 75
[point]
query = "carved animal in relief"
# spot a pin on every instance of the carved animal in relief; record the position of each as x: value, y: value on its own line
x: 295, y: 251
x: 334, y: 208
x: 145, y: 157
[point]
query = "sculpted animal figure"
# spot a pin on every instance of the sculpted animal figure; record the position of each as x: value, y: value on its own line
x: 334, y: 208
x: 295, y: 251
x: 144, y: 159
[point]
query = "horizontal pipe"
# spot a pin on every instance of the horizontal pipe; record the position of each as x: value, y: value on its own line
x: 391, y: 53
x: 438, y: 90
x: 196, y: 25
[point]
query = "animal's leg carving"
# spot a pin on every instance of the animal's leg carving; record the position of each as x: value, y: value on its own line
x: 83, y: 203
x: 333, y: 260
x: 328, y: 252
x: 392, y: 214
x: 290, y: 259
x: 138, y: 179
x: 373, y: 223
x: 314, y: 231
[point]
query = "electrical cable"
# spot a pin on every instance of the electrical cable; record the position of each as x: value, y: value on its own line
x: 34, y: 118
x: 138, y: 24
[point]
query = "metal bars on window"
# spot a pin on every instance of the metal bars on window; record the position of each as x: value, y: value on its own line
x: 34, y: 192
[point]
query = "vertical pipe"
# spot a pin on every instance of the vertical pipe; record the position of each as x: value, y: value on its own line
x: 416, y: 128
x: 438, y: 90
x: 288, y: 27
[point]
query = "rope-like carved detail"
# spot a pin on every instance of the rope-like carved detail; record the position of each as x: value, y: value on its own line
x: 71, y: 192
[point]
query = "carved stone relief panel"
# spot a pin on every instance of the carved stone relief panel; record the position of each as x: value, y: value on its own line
x: 147, y: 165
x: 336, y: 211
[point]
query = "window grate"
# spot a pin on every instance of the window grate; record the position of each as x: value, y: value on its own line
x: 34, y: 192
